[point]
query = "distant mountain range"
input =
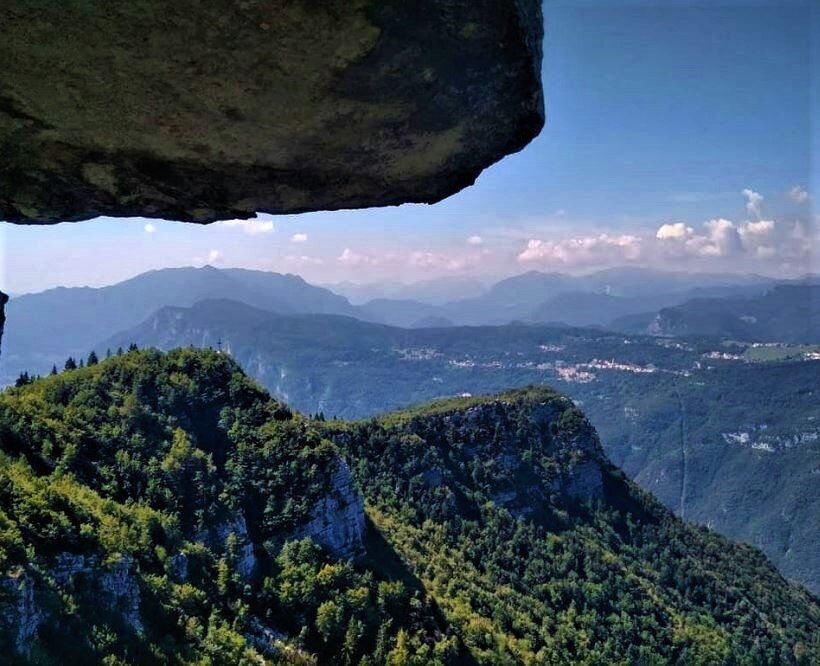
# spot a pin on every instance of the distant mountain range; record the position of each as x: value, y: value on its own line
x: 786, y: 313
x: 596, y: 299
x: 46, y: 327
x: 432, y: 292
x: 43, y: 329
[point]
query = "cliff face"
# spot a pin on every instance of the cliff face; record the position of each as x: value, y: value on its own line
x: 337, y: 519
x: 32, y: 597
x: 210, y: 111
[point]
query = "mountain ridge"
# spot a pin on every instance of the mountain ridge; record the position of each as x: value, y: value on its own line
x: 462, y: 499
x: 745, y: 420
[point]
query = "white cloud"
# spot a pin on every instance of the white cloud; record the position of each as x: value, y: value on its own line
x: 723, y: 236
x: 760, y: 228
x: 717, y: 244
x: 299, y: 238
x: 214, y: 256
x: 433, y: 260
x: 674, y: 231
x: 350, y: 258
x: 304, y: 260
x: 588, y: 250
x: 754, y: 202
x: 252, y: 227
x: 475, y: 240
x: 798, y: 194
x: 150, y: 228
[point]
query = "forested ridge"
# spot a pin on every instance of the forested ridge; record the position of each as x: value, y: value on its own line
x: 160, y: 508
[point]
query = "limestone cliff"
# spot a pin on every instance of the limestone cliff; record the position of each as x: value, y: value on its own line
x: 337, y: 520
x: 32, y: 597
x: 205, y: 111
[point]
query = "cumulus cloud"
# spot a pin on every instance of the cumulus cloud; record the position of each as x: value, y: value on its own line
x: 299, y: 238
x: 717, y: 244
x: 760, y: 228
x: 583, y: 251
x: 718, y: 238
x: 350, y: 258
x: 674, y: 231
x: 150, y: 228
x: 798, y: 194
x: 214, y: 256
x: 252, y: 227
x: 754, y: 202
x: 475, y: 240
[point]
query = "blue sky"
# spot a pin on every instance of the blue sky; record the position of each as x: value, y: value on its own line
x: 659, y: 116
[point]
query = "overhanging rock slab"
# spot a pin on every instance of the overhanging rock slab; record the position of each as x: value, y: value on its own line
x: 201, y: 111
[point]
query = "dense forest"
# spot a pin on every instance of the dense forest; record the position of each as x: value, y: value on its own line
x: 163, y: 508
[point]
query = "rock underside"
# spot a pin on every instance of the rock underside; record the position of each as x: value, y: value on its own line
x: 205, y: 111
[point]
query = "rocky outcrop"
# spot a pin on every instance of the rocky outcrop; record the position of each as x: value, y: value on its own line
x: 119, y: 586
x: 337, y: 519
x: 26, y: 601
x: 496, y: 434
x: 205, y: 111
x: 3, y: 300
x: 216, y: 538
x: 20, y: 615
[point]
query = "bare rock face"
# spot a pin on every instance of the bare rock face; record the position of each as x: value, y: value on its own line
x: 337, y: 520
x: 26, y: 603
x: 205, y: 111
x: 3, y: 300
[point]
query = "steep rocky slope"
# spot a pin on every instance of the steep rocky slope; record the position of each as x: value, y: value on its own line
x: 161, y: 507
x: 203, y: 111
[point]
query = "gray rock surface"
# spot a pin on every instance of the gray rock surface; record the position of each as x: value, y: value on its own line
x: 216, y: 537
x: 3, y: 300
x: 20, y: 615
x: 205, y: 111
x: 337, y: 520
x: 119, y: 584
x: 115, y: 585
